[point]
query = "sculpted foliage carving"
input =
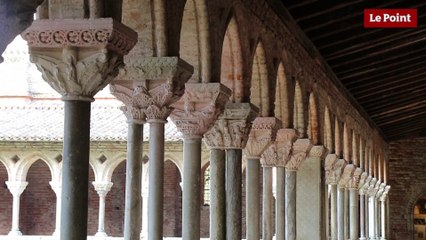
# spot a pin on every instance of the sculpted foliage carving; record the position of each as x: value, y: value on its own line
x: 299, y: 152
x: 262, y: 134
x: 74, y: 78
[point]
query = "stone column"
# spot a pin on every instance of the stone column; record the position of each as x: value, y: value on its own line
x: 333, y: 170
x: 371, y: 209
x: 267, y: 205
x: 364, y: 181
x: 77, y: 66
x: 14, y: 23
x: 278, y: 155
x: 354, y: 205
x: 102, y: 188
x: 16, y: 188
x: 261, y: 136
x: 57, y: 188
x: 217, y: 194
x: 230, y: 132
x: 144, y: 232
x: 383, y: 201
x: 157, y: 83
x: 309, y: 188
x: 194, y: 114
x: 379, y: 213
x: 347, y: 175
x: 299, y: 152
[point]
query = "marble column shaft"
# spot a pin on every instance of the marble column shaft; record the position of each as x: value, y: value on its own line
x: 371, y: 218
x: 353, y: 214
x: 217, y: 194
x: 267, y: 206
x: 133, y: 201
x: 362, y: 216
x: 191, y: 188
x: 290, y: 205
x: 156, y: 179
x: 16, y: 188
x: 280, y: 204
x: 383, y: 219
x: 252, y: 199
x: 233, y: 194
x: 75, y: 170
x: 333, y: 211
x: 340, y: 213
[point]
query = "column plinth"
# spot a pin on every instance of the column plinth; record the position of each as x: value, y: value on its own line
x: 77, y: 58
x: 261, y: 136
x: 194, y: 114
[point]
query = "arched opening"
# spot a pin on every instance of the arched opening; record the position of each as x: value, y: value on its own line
x: 114, y: 202
x: 6, y: 202
x: 93, y: 204
x: 206, y: 185
x: 338, y: 138
x: 313, y: 125
x: 259, y: 91
x: 231, y: 74
x: 39, y: 202
x: 172, y: 225
x: 194, y: 45
x: 282, y: 110
x: 419, y: 219
x: 299, y: 111
x: 347, y: 146
x: 328, y: 131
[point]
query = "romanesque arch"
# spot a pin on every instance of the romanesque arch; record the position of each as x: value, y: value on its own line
x: 282, y: 110
x: 328, y: 131
x: 259, y: 91
x: 195, y: 40
x: 313, y: 125
x: 299, y: 110
x: 231, y: 74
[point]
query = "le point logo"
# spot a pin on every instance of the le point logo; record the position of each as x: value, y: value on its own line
x: 390, y: 18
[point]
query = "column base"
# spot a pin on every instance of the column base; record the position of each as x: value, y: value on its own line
x: 362, y: 238
x: 101, y: 234
x: 15, y: 233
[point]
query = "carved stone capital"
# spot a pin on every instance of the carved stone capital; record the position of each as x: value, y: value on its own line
x: 362, y: 180
x: 159, y: 80
x: 346, y: 175
x: 371, y: 191
x: 385, y: 193
x: 363, y: 189
x: 232, y: 129
x: 283, y: 143
x: 79, y: 57
x: 262, y: 134
x: 16, y: 187
x: 134, y: 102
x: 380, y: 191
x: 355, y: 180
x: 318, y: 151
x: 333, y: 168
x: 15, y: 17
x: 298, y: 154
x: 195, y: 113
x: 102, y: 188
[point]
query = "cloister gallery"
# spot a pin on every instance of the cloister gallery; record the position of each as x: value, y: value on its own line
x: 222, y: 119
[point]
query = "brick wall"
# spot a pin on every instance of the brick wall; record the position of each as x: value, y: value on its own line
x: 172, y: 221
x: 407, y: 177
x: 38, y: 202
x: 114, y: 206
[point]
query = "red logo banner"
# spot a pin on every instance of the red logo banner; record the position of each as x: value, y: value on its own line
x: 390, y: 18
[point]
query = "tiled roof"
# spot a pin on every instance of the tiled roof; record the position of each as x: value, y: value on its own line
x: 30, y: 110
x: 43, y: 120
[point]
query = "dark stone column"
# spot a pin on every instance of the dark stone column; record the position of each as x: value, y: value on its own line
x: 217, y: 194
x: 233, y: 194
x: 75, y: 170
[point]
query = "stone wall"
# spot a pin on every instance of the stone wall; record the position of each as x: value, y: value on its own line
x: 407, y: 177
